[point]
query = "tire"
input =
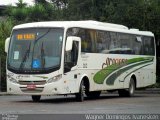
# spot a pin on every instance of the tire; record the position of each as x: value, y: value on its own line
x: 94, y: 94
x: 80, y: 95
x: 130, y: 91
x: 36, y: 98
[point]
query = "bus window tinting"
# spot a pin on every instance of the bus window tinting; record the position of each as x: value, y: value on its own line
x: 106, y: 42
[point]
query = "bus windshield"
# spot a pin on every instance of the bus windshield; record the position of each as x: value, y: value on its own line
x: 35, y: 49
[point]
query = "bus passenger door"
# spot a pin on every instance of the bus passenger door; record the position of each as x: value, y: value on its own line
x: 70, y: 66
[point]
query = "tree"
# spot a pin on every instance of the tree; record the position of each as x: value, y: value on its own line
x: 40, y: 1
x: 60, y: 3
x: 21, y: 4
x: 5, y: 31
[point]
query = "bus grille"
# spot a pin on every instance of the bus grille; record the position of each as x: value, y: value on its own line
x: 32, y: 82
x: 36, y: 90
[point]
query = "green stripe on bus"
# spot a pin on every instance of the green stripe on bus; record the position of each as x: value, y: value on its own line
x: 110, y: 80
x: 137, y: 69
x: 101, y: 75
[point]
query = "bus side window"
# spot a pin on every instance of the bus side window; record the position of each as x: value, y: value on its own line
x: 71, y: 57
x: 86, y: 41
x: 148, y: 45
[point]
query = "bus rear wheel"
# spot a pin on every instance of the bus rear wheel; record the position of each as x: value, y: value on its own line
x: 130, y: 91
x: 36, y: 98
x: 132, y: 87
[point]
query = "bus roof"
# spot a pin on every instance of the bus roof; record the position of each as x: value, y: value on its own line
x: 90, y: 24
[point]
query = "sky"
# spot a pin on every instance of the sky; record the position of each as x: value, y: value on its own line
x: 12, y: 2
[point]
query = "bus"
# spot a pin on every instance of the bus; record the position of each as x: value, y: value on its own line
x: 81, y: 58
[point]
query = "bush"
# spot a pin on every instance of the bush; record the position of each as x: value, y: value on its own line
x: 19, y: 14
x: 37, y: 13
x: 5, y: 31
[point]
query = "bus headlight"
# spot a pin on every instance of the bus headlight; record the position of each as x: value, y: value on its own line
x: 13, y: 80
x: 55, y: 78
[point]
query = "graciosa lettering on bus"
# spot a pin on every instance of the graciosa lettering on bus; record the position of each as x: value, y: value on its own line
x: 110, y: 61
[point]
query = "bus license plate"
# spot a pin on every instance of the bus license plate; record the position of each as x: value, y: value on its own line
x: 31, y: 87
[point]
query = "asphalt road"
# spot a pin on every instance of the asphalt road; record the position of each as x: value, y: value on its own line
x: 107, y: 103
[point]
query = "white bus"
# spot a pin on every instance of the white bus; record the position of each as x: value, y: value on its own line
x: 78, y: 57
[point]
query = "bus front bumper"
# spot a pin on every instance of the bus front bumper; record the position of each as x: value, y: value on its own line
x: 46, y: 89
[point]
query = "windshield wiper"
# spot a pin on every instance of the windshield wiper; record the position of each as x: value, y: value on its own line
x: 42, y: 56
x: 25, y: 57
x: 37, y: 41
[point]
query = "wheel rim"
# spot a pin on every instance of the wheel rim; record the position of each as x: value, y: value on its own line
x: 131, y: 88
x: 82, y: 92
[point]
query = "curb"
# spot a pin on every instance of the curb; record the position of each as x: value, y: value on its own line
x: 3, y: 93
x: 147, y: 91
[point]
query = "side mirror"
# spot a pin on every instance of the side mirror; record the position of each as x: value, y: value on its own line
x: 7, y: 44
x: 69, y: 43
x: 139, y: 39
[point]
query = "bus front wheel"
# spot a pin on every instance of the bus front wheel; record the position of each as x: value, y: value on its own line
x: 80, y: 95
x: 36, y: 98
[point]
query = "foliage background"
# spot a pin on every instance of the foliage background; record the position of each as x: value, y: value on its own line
x: 141, y: 14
